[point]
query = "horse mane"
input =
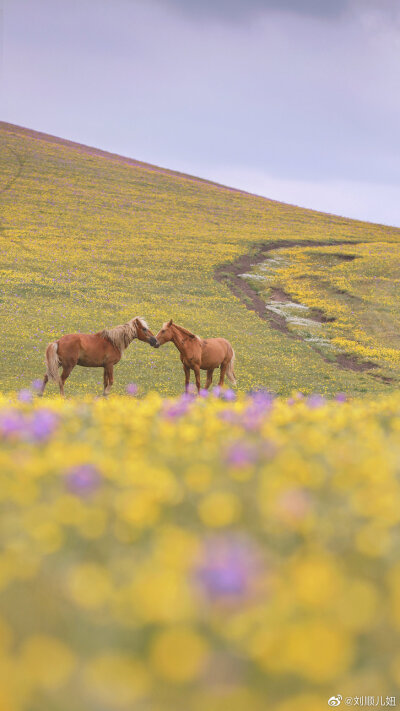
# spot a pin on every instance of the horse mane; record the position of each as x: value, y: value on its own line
x: 184, y: 330
x: 121, y: 336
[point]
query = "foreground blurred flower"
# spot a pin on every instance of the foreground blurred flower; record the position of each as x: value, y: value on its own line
x: 43, y: 424
x: 177, y: 409
x: 47, y: 661
x: 240, y: 454
x: 220, y: 508
x: 212, y: 556
x: 341, y: 397
x: 83, y: 480
x: 315, y: 401
x: 37, y: 384
x: 229, y: 567
x: 12, y: 423
x: 229, y: 416
x: 229, y: 395
x: 37, y: 427
x: 294, y: 504
x: 25, y: 395
x: 132, y: 389
x: 179, y: 654
x: 261, y: 403
x: 116, y: 679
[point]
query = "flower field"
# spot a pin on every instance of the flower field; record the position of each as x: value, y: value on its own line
x: 219, y: 553
x: 355, y: 286
x: 89, y: 241
x: 230, y: 552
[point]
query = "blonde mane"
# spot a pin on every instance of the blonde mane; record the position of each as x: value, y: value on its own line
x: 121, y: 336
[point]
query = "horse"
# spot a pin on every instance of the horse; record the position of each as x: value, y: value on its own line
x: 199, y: 354
x: 93, y: 350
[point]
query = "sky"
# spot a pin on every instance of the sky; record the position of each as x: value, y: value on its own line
x: 296, y: 100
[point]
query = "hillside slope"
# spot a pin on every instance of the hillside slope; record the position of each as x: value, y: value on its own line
x: 89, y: 239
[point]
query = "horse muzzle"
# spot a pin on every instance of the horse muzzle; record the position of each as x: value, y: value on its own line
x: 153, y: 342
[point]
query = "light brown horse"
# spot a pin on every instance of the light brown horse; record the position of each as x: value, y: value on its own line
x: 93, y: 350
x: 199, y: 353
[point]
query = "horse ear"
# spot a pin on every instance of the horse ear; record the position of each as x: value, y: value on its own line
x: 169, y: 322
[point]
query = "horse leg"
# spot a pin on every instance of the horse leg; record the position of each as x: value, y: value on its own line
x: 222, y: 374
x: 209, y: 378
x: 108, y: 379
x: 196, y: 369
x: 105, y: 381
x: 45, y: 381
x: 64, y: 375
x: 187, y: 377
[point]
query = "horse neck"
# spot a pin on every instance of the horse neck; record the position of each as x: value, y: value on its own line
x: 130, y: 338
x: 179, y: 338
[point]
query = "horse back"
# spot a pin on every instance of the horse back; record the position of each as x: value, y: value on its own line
x: 215, y: 351
x: 87, y: 349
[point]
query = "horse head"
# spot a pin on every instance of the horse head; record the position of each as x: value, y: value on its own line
x: 143, y: 332
x: 165, y: 334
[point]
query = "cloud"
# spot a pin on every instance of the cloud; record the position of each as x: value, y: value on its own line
x: 235, y: 10
x: 241, y: 10
x: 300, y: 99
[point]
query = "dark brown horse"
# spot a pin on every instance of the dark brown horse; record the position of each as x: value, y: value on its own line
x: 199, y: 353
x: 93, y: 350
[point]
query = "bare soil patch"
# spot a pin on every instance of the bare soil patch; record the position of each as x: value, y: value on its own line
x: 229, y: 274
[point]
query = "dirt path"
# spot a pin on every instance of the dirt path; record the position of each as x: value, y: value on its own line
x: 229, y: 275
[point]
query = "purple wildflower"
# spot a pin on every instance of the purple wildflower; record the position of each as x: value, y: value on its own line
x: 229, y: 416
x: 240, y: 454
x: 25, y: 395
x: 132, y: 389
x: 12, y: 424
x: 37, y: 384
x: 341, y: 397
x: 190, y: 395
x: 260, y: 404
x: 229, y: 567
x: 315, y: 401
x: 203, y: 392
x: 217, y: 391
x: 176, y: 409
x: 229, y: 395
x: 42, y: 425
x: 83, y: 480
x: 262, y: 398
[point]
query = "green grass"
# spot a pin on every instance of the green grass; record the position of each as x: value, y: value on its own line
x: 87, y: 241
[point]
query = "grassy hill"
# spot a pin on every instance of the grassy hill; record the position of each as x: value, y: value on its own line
x: 89, y: 239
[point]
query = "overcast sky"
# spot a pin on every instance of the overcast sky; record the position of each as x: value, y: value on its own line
x: 297, y: 100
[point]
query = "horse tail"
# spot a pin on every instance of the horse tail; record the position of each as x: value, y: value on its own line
x: 52, y: 362
x: 230, y: 373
